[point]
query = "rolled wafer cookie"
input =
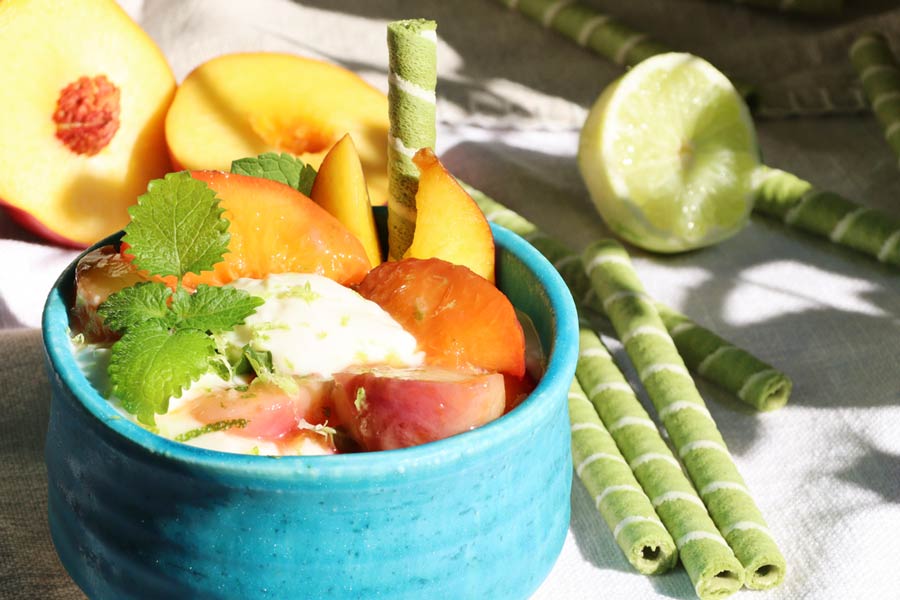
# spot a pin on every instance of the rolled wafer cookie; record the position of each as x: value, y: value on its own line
x: 618, y: 497
x: 684, y: 415
x: 798, y: 204
x: 713, y: 358
x: 710, y: 356
x: 879, y: 74
x: 597, y: 32
x: 706, y: 556
x: 412, y: 80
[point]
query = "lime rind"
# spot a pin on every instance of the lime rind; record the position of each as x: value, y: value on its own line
x: 668, y: 152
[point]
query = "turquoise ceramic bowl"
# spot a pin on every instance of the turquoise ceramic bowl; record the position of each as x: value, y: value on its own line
x: 478, y: 515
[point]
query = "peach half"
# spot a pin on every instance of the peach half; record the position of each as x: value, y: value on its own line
x: 240, y: 105
x: 84, y: 93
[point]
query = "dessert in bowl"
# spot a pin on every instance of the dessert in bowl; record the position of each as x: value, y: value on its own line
x: 483, y: 513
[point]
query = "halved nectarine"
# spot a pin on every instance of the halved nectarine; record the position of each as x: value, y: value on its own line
x: 340, y: 188
x: 449, y: 225
x: 241, y: 105
x: 276, y: 229
x: 84, y: 92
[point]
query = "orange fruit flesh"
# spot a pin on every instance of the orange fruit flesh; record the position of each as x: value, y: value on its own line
x: 460, y: 319
x: 276, y: 229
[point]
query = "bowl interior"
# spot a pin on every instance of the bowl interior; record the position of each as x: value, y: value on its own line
x: 531, y: 283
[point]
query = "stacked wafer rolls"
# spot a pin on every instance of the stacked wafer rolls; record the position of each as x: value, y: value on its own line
x: 684, y: 415
x: 707, y: 558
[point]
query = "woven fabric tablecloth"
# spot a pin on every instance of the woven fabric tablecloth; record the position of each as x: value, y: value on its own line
x: 825, y: 470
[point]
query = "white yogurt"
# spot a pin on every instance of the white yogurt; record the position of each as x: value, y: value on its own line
x: 315, y: 326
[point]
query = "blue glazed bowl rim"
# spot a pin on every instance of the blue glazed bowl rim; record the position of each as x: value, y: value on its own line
x: 344, y: 467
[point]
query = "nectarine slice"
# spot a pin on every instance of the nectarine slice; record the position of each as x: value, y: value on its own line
x: 398, y: 408
x: 459, y: 319
x: 83, y: 92
x: 449, y: 225
x: 241, y: 105
x: 340, y: 188
x: 276, y: 229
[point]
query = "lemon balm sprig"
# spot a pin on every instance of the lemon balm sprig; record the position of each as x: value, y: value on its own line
x: 176, y: 228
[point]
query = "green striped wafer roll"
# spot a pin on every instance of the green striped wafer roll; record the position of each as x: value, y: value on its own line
x: 715, y: 359
x: 621, y: 501
x: 597, y: 32
x: 809, y: 7
x: 683, y: 413
x: 709, y: 561
x: 879, y: 73
x: 412, y: 79
x: 826, y: 214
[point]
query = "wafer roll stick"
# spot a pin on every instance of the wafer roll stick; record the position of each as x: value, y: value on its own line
x: 798, y: 204
x: 623, y: 504
x: 597, y: 32
x: 757, y: 383
x: 707, y: 558
x: 879, y: 73
x: 808, y: 7
x: 713, y: 358
x: 684, y: 414
x: 412, y: 79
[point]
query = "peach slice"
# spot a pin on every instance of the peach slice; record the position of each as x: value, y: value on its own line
x: 398, y: 408
x: 276, y: 229
x: 241, y: 105
x: 449, y: 225
x: 84, y: 95
x: 340, y: 188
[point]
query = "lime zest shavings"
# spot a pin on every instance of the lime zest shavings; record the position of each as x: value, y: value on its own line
x: 177, y: 228
x: 211, y: 427
x: 283, y: 168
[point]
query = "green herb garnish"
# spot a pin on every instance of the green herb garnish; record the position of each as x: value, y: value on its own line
x: 261, y: 363
x: 283, y: 168
x: 176, y: 228
x: 211, y: 427
x: 360, y: 401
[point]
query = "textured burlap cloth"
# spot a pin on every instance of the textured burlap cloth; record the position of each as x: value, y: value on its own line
x: 825, y: 470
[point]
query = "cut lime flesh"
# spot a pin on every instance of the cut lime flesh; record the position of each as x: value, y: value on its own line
x: 668, y: 152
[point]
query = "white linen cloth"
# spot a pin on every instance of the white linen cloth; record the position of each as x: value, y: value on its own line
x: 825, y: 470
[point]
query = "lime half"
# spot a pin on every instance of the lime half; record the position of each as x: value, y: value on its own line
x: 668, y: 152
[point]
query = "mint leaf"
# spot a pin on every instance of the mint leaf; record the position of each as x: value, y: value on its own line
x: 261, y: 362
x: 213, y: 309
x: 152, y: 363
x: 177, y: 227
x: 145, y: 301
x: 283, y: 168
